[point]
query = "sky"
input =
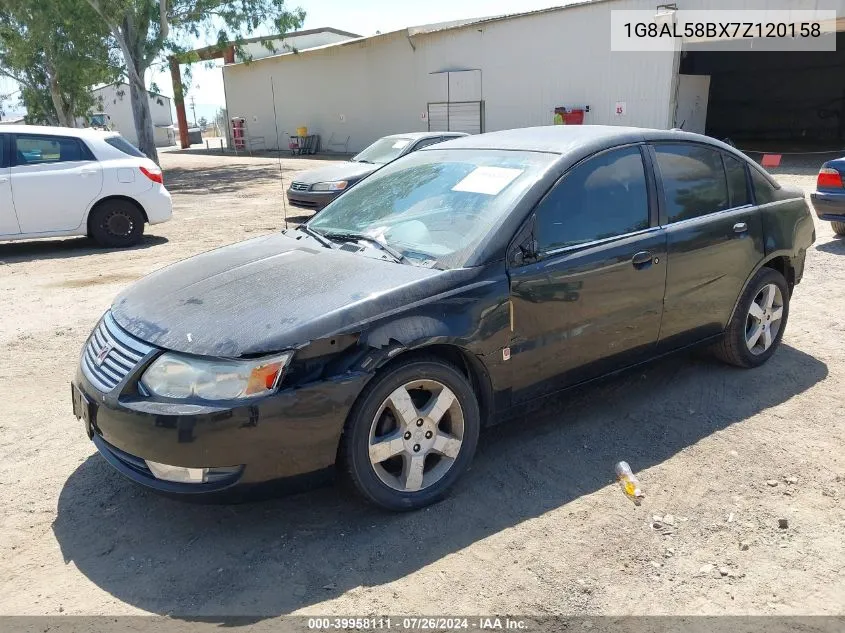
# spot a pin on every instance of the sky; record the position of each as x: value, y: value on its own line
x: 364, y: 17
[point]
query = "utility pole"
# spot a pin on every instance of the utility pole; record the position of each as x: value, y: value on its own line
x: 194, y: 110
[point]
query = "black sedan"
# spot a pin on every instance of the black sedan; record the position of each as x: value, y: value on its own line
x: 315, y: 188
x: 433, y: 299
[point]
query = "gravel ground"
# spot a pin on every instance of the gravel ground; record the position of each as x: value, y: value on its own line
x: 536, y: 527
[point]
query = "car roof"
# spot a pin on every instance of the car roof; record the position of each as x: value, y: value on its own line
x: 566, y: 139
x: 418, y: 135
x: 79, y: 132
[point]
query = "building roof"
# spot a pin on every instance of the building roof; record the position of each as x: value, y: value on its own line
x: 284, y: 36
x: 458, y: 24
x: 123, y: 83
x: 214, y: 48
x: 437, y: 27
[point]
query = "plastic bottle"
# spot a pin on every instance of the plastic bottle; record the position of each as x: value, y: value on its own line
x: 629, y: 482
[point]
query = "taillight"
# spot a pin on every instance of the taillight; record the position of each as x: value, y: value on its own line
x: 829, y: 179
x: 153, y: 173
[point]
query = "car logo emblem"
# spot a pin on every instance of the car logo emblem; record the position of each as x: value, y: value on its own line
x: 103, y: 354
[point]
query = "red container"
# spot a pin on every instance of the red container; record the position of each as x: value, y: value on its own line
x: 573, y: 117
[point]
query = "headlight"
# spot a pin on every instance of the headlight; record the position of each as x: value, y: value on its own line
x: 177, y: 376
x: 337, y: 185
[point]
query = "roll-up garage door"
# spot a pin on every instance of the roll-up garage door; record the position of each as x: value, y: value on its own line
x: 457, y: 116
x: 438, y: 117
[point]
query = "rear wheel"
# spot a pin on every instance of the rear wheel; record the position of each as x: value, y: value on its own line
x: 838, y: 227
x: 411, y: 435
x: 757, y: 326
x: 116, y: 223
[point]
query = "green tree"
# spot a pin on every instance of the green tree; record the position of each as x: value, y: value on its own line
x: 56, y: 51
x: 147, y: 30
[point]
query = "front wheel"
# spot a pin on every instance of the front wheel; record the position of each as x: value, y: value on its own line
x: 757, y: 326
x: 838, y: 227
x: 411, y: 435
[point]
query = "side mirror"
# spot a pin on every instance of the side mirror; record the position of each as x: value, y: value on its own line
x: 526, y: 252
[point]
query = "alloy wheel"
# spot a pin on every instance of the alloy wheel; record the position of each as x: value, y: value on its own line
x: 764, y: 319
x: 416, y: 435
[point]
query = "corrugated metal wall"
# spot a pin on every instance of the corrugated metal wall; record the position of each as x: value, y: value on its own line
x: 525, y: 67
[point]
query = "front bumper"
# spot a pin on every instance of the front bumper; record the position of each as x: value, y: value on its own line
x: 291, y: 435
x: 829, y: 206
x: 314, y: 200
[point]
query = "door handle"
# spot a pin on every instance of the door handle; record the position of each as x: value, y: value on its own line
x: 4, y: 179
x: 88, y: 172
x: 642, y: 259
x: 740, y: 227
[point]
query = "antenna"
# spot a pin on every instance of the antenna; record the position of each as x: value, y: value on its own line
x: 279, y: 150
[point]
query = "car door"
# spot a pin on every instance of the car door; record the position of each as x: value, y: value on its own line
x: 54, y: 181
x: 592, y: 301
x: 8, y: 219
x: 715, y: 238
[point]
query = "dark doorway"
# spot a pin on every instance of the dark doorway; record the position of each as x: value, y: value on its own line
x: 774, y: 100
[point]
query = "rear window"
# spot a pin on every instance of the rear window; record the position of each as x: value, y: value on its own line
x: 737, y: 184
x: 694, y: 180
x: 121, y: 144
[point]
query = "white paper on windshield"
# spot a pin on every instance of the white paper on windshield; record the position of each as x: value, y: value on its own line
x: 401, y: 143
x: 487, y: 180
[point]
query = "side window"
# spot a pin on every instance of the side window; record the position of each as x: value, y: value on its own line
x: 764, y: 192
x: 426, y: 142
x: 4, y: 158
x: 737, y: 183
x: 38, y: 150
x: 694, y: 180
x: 602, y: 197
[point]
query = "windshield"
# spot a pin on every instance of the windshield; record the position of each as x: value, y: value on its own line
x: 435, y: 207
x: 383, y: 151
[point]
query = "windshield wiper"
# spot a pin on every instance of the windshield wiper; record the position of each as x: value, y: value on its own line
x: 351, y: 236
x: 317, y: 236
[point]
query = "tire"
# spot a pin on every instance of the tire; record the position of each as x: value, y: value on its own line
x: 739, y: 345
x: 116, y: 224
x: 393, y: 483
x: 838, y: 227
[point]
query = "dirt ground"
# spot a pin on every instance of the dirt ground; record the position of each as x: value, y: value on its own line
x: 538, y: 525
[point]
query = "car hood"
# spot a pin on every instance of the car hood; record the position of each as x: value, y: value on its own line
x: 269, y: 294
x: 344, y: 171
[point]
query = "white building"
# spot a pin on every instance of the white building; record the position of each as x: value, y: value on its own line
x: 513, y: 71
x: 114, y: 100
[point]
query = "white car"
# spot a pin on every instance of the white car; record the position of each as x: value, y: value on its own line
x: 57, y: 181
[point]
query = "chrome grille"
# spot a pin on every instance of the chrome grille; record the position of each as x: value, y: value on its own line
x: 110, y: 354
x: 299, y: 186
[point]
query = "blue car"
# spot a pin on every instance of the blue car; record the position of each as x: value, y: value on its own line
x: 829, y: 196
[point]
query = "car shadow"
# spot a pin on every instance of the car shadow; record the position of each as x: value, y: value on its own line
x: 214, y: 150
x: 835, y: 246
x: 269, y: 558
x: 15, y: 252
x: 221, y: 179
